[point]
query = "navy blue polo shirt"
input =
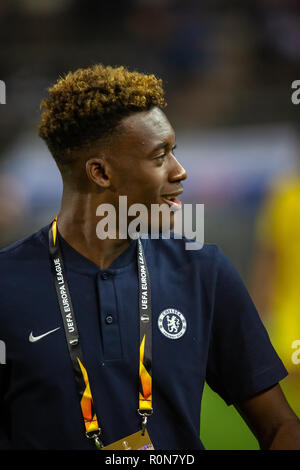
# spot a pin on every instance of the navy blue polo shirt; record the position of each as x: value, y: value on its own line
x: 205, y: 328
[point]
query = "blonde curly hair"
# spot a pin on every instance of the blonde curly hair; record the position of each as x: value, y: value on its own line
x: 89, y: 103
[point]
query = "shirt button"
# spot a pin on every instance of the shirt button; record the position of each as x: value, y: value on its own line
x: 105, y: 276
x: 109, y: 319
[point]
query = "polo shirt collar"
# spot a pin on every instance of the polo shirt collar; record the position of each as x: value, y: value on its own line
x: 75, y: 261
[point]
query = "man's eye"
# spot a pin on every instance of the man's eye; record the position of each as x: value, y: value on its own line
x: 161, y: 157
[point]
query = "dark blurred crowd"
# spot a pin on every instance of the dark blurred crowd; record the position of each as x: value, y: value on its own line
x: 223, y: 61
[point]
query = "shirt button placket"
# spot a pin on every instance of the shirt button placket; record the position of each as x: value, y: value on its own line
x: 109, y: 317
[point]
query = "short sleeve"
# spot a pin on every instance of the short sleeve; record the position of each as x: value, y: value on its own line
x: 241, y: 359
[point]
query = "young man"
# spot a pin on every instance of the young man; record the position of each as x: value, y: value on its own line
x: 110, y: 337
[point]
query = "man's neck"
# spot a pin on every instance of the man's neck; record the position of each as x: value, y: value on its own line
x: 77, y: 225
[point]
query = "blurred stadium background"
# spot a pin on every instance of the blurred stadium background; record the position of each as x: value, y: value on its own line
x: 227, y: 66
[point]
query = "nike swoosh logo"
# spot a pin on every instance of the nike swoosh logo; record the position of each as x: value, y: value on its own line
x: 33, y: 339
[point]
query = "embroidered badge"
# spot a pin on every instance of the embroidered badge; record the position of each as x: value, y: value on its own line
x: 172, y: 323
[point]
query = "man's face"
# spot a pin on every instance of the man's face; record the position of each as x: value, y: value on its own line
x: 143, y: 165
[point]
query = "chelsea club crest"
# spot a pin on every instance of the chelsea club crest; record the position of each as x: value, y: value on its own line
x: 172, y: 323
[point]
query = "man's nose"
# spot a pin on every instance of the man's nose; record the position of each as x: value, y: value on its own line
x: 177, y: 172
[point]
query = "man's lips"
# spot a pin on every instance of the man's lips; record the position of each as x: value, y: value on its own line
x: 172, y: 200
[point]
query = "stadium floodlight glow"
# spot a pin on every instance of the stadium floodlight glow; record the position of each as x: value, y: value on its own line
x: 2, y: 92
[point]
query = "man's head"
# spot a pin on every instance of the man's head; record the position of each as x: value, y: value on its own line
x: 108, y: 134
x: 87, y: 106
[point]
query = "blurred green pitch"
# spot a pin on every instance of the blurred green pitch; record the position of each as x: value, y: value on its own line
x: 222, y: 428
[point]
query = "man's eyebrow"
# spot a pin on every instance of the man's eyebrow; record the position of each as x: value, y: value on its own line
x: 160, y: 146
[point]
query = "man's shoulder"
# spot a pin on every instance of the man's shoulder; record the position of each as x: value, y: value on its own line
x: 30, y: 246
x: 186, y: 250
x: 207, y: 260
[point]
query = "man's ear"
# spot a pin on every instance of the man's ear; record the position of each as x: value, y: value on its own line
x: 98, y: 172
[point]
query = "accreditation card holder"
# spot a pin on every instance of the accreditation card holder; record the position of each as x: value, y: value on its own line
x: 137, y: 441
